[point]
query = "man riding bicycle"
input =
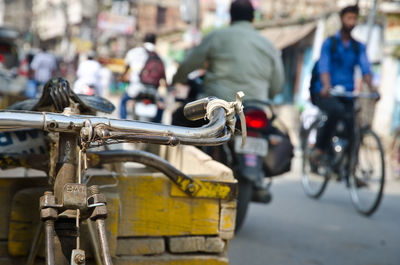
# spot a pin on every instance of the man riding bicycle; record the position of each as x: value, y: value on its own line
x: 340, y: 55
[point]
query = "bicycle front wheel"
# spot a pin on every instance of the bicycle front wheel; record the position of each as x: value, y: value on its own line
x: 313, y: 182
x: 368, y: 175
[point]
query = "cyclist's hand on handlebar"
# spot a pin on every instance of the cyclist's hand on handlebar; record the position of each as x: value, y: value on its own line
x: 324, y: 92
x: 378, y: 96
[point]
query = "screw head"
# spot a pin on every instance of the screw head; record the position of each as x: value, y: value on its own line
x: 191, y: 188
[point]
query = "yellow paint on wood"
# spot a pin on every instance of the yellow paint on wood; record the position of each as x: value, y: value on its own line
x: 113, y: 208
x: 24, y: 220
x: 228, y: 219
x: 173, y: 260
x: 5, y: 198
x: 208, y: 189
x: 148, y: 210
x: 8, y: 188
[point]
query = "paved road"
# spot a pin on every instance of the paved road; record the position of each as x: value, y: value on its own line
x: 294, y: 229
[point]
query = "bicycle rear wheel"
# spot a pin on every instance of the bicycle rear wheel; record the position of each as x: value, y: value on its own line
x: 313, y: 182
x: 368, y: 175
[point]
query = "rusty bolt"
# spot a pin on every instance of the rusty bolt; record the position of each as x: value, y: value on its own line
x: 79, y: 259
x: 48, y: 214
x: 53, y: 124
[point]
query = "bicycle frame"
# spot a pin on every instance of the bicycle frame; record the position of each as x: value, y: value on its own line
x: 69, y: 197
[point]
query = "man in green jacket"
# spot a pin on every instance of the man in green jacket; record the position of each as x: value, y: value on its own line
x: 236, y: 58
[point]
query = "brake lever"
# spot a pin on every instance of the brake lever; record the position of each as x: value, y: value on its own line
x: 231, y: 109
x: 242, y: 118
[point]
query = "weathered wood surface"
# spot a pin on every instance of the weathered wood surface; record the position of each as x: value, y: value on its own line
x: 148, y: 217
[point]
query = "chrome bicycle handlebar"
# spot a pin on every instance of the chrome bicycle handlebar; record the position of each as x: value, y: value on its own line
x: 340, y: 91
x: 102, y: 128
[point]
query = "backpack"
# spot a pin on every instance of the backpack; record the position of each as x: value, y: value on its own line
x: 315, y: 73
x: 153, y: 70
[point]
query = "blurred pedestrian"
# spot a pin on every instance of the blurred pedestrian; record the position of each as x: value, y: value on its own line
x: 88, y: 76
x: 105, y: 78
x: 43, y: 67
x: 237, y: 58
x: 146, y: 70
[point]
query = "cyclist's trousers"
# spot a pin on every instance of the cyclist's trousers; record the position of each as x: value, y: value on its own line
x: 335, y: 109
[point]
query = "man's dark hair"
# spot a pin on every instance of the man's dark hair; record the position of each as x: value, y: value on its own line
x: 44, y: 46
x: 150, y: 37
x: 242, y: 10
x: 350, y: 9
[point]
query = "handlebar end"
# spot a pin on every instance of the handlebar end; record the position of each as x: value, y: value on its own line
x: 196, y: 110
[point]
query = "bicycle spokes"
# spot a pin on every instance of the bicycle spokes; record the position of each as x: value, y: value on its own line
x: 367, y: 178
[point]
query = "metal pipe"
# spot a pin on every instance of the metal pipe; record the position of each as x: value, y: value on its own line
x: 95, y: 243
x: 142, y: 157
x: 35, y: 244
x: 168, y: 140
x: 66, y: 165
x: 105, y: 250
x: 15, y: 120
x: 49, y: 243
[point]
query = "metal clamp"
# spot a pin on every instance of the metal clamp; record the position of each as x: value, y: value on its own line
x: 231, y: 109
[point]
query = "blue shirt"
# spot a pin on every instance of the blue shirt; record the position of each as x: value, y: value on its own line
x: 341, y: 63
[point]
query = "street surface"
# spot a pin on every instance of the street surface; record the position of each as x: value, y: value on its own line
x: 295, y: 229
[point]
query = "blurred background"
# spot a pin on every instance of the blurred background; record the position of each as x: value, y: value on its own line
x: 294, y: 229
x: 72, y: 28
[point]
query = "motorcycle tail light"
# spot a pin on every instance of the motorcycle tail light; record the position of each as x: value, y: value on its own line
x: 146, y: 101
x: 256, y: 119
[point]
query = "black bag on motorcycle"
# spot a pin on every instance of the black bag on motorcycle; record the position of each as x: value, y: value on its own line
x: 280, y: 153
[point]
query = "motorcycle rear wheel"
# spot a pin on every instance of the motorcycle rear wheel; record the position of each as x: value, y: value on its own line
x: 243, y: 200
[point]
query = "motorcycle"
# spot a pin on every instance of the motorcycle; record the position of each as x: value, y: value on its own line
x: 147, y: 106
x: 267, y: 153
x: 85, y: 87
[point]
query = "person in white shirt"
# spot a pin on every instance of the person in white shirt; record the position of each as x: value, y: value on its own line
x: 88, y: 77
x: 43, y: 66
x: 135, y: 61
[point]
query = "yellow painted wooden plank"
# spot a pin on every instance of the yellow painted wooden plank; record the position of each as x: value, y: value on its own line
x: 112, y: 221
x: 172, y: 260
x: 228, y: 219
x: 208, y: 189
x: 8, y: 188
x: 5, y: 199
x: 24, y: 220
x: 149, y: 210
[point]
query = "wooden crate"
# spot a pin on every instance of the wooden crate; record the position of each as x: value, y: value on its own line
x: 150, y: 220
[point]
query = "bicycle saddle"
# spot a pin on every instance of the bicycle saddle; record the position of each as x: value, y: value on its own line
x: 58, y: 94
